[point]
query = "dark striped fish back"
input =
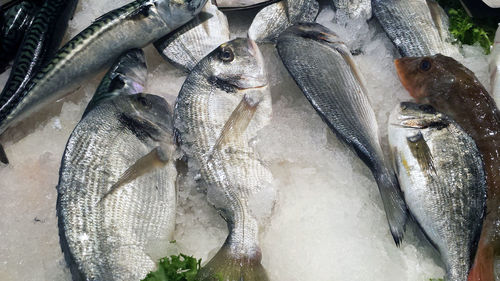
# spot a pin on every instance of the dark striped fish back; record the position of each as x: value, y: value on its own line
x: 40, y: 42
x: 8, y: 103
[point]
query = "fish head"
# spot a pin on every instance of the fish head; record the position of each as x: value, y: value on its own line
x: 146, y: 112
x: 177, y: 12
x: 411, y: 115
x: 433, y: 78
x: 237, y: 64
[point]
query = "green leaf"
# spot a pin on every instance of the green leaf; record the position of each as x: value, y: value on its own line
x: 175, y: 268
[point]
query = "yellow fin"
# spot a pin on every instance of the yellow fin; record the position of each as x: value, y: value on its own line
x: 422, y: 153
x: 155, y: 159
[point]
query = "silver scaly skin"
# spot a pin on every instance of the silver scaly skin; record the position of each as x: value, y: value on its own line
x: 416, y: 27
x: 325, y: 71
x: 188, y: 45
x: 441, y: 174
x: 222, y: 105
x: 132, y: 26
x: 354, y: 9
x: 272, y: 20
x: 116, y: 193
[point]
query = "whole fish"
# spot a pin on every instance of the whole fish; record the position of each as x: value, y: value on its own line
x: 187, y: 46
x: 127, y: 76
x: 324, y: 69
x: 222, y: 105
x: 40, y: 42
x: 442, y: 178
x: 416, y: 27
x: 132, y: 26
x: 116, y: 193
x: 494, y: 67
x: 453, y: 89
x: 16, y: 20
x: 239, y: 4
x: 272, y: 20
x: 354, y: 8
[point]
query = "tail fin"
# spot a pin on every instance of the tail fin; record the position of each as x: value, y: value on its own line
x: 3, y: 155
x: 394, y: 204
x: 483, y: 269
x: 226, y: 267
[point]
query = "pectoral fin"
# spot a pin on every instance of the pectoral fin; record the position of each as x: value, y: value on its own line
x: 155, y: 159
x: 238, y: 121
x: 422, y: 153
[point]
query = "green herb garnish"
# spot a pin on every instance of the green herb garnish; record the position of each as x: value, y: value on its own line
x: 175, y: 268
x: 469, y: 30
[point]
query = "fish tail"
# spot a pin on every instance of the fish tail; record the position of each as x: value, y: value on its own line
x: 226, y: 266
x: 483, y: 268
x: 394, y: 204
x: 3, y: 155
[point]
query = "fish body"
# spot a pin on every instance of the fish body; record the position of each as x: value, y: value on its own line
x: 441, y: 174
x: 126, y: 77
x: 453, y: 89
x: 354, y: 9
x: 272, y: 20
x: 40, y: 42
x: 239, y: 4
x: 131, y: 26
x: 324, y: 69
x: 16, y: 20
x: 222, y: 105
x: 494, y: 68
x: 416, y: 27
x: 116, y: 192
x: 192, y: 42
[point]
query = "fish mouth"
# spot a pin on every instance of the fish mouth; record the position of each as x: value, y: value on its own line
x: 417, y: 116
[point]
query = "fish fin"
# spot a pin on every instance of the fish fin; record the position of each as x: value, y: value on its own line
x: 346, y: 55
x: 483, y: 268
x: 226, y: 266
x: 422, y: 153
x: 238, y: 121
x: 154, y: 159
x: 3, y: 155
x: 394, y: 204
x: 438, y: 15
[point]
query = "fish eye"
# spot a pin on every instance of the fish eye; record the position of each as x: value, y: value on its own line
x: 144, y: 102
x: 226, y: 54
x: 425, y: 65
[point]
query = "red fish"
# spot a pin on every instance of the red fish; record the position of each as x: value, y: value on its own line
x: 454, y: 90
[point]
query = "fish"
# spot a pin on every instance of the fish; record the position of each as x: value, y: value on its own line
x: 126, y: 77
x: 355, y: 9
x: 494, y: 66
x: 192, y: 42
x: 416, y: 27
x: 275, y: 18
x: 240, y: 4
x: 134, y: 25
x: 223, y: 103
x: 116, y: 192
x: 454, y: 90
x: 16, y: 20
x: 324, y: 70
x: 442, y: 178
x: 41, y: 40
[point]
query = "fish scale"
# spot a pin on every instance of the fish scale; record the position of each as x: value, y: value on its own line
x: 324, y: 70
x: 40, y: 43
x: 133, y: 26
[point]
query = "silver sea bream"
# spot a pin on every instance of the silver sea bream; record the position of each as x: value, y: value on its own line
x: 416, y: 27
x: 222, y: 105
x: 116, y: 193
x: 192, y: 42
x: 441, y: 173
x: 325, y: 71
x: 354, y: 9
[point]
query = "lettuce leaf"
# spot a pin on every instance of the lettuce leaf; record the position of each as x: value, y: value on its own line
x: 175, y: 268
